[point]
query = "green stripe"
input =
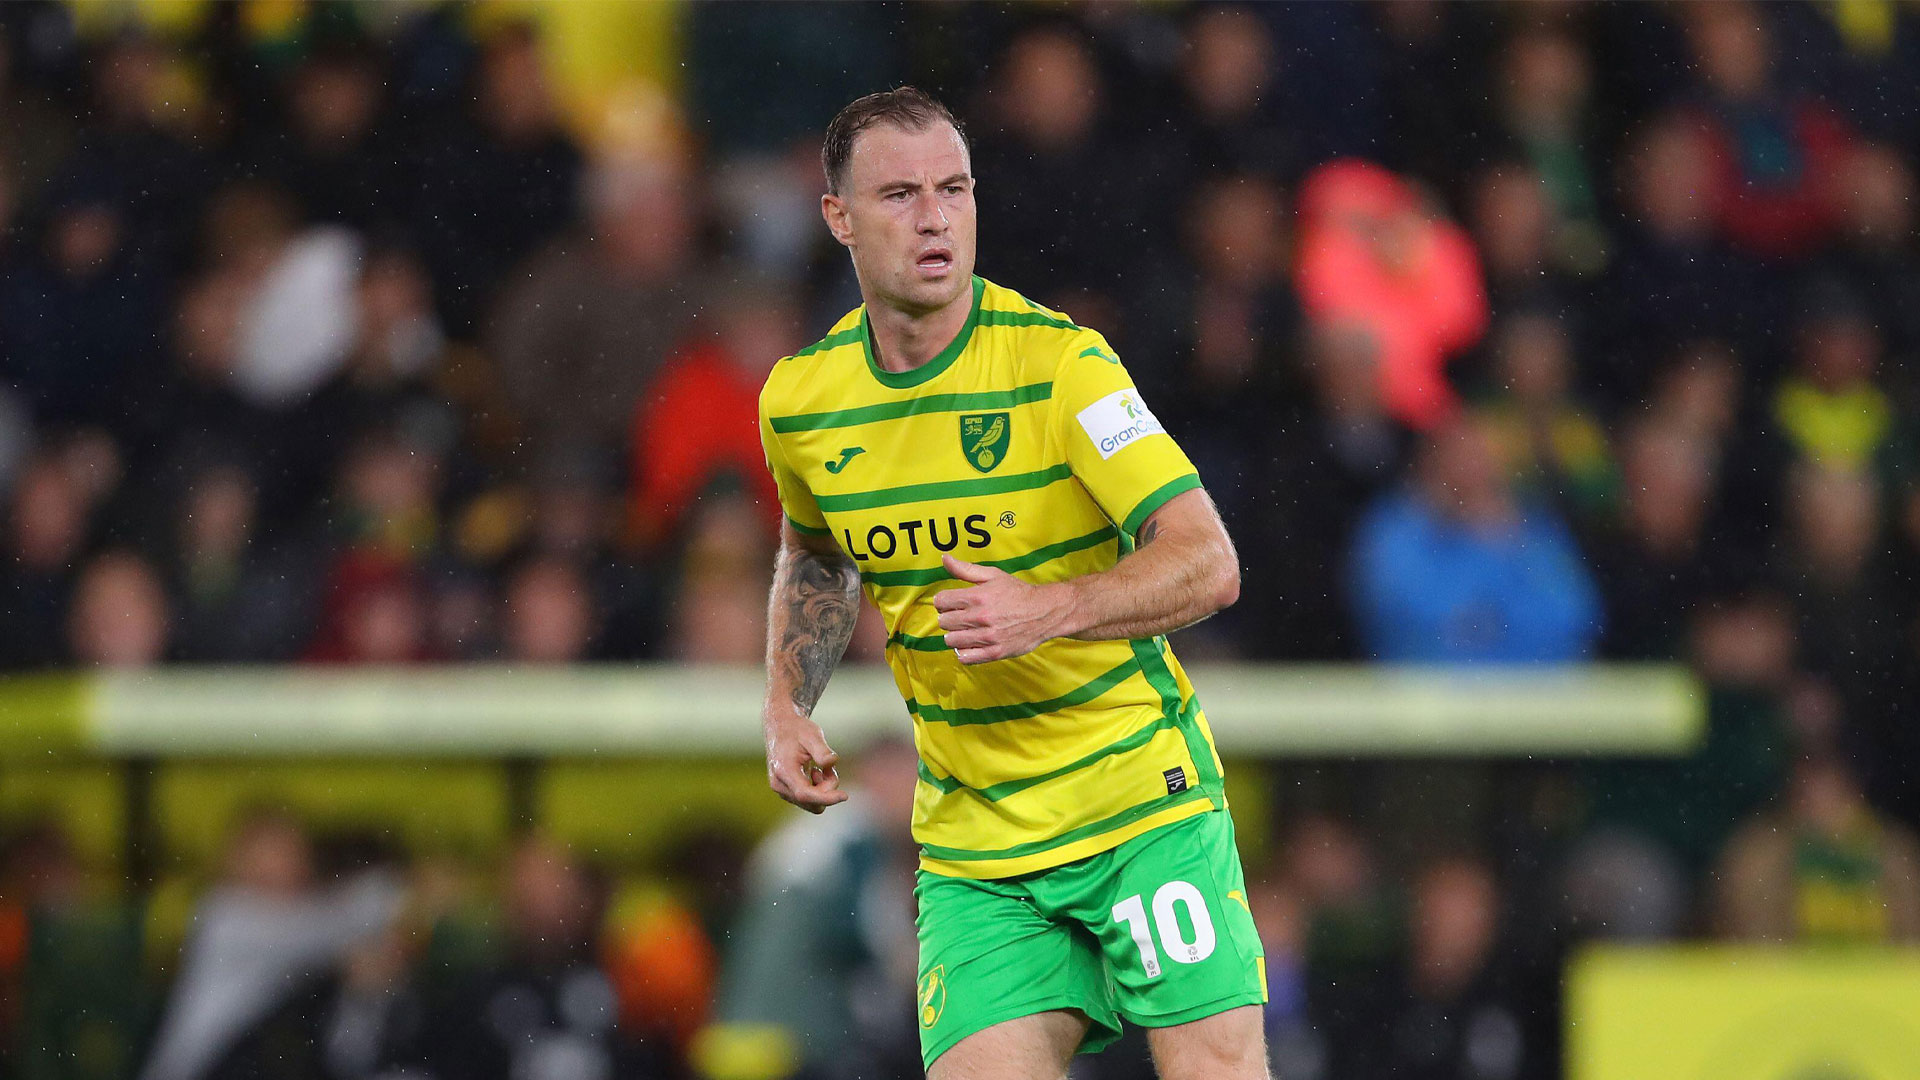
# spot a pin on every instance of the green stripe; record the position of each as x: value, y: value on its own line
x: 995, y: 792
x: 1151, y: 653
x: 993, y: 714
x: 807, y: 530
x: 1145, y: 507
x: 936, y: 643
x: 1118, y: 821
x: 932, y: 403
x: 832, y: 341
x: 1012, y: 565
x: 1024, y: 318
x: 945, y: 489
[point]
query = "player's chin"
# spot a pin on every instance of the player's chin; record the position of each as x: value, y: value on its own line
x: 934, y: 287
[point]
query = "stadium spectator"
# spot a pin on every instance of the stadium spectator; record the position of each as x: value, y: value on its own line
x: 119, y: 616
x: 1352, y: 932
x: 1659, y: 562
x: 502, y: 147
x: 185, y: 408
x: 1653, y: 824
x: 1824, y: 867
x: 79, y: 310
x: 696, y: 426
x: 1543, y: 106
x: 1333, y: 454
x: 1460, y: 1011
x: 331, y: 151
x: 1830, y: 409
x: 67, y: 1007
x: 547, y: 1007
x: 1295, y: 1048
x: 1873, y: 258
x: 239, y: 597
x: 1776, y: 156
x: 1233, y: 324
x: 824, y: 951
x: 1832, y: 567
x: 1227, y: 120
x: 130, y: 141
x: 1046, y: 135
x: 1551, y: 445
x: 1458, y: 569
x: 48, y: 527
x: 263, y: 939
x: 1371, y: 252
x: 718, y: 610
x: 548, y: 617
x: 599, y: 309
x: 1513, y: 222
x: 1671, y: 281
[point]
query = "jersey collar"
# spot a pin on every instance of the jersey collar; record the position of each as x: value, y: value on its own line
x: 901, y: 380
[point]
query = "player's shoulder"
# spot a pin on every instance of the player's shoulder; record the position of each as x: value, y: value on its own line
x: 1045, y: 336
x: 794, y: 376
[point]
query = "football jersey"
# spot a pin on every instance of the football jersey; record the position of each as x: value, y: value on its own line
x: 1023, y: 445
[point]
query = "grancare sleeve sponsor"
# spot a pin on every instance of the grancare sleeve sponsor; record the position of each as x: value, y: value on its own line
x: 1116, y: 447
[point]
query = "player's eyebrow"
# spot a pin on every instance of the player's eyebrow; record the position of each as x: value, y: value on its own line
x: 909, y: 185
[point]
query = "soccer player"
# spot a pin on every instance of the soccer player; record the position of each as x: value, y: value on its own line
x: 986, y: 470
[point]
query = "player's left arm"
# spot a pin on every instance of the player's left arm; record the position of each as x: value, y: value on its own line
x: 1183, y: 570
x: 1183, y: 567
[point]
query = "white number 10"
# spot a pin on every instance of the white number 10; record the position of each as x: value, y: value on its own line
x: 1181, y: 951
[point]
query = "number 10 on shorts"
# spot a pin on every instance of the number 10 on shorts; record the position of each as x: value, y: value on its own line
x: 1181, y: 951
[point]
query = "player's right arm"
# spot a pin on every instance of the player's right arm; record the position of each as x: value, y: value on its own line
x: 816, y: 597
x: 810, y: 616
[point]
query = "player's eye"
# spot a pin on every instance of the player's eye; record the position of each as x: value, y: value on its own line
x: 896, y: 196
x: 954, y: 189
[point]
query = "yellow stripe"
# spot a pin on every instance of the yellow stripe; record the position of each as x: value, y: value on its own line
x: 1065, y: 853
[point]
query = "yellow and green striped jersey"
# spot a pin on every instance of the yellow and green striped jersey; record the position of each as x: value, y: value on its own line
x: 1022, y: 445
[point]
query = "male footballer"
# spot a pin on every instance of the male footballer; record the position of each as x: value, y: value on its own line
x: 985, y: 469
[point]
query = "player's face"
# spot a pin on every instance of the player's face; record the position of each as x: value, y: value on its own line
x: 906, y: 211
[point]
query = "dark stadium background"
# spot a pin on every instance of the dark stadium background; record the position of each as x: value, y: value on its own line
x: 347, y: 342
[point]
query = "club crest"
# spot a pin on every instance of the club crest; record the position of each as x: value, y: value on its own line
x: 984, y: 438
x: 933, y: 995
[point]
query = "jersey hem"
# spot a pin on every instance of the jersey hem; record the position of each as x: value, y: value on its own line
x: 991, y: 869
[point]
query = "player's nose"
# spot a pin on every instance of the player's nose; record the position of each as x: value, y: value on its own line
x: 933, y: 216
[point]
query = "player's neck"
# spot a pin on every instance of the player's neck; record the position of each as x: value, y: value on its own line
x: 905, y: 340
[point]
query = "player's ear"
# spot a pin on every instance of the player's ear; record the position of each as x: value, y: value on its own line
x: 834, y: 210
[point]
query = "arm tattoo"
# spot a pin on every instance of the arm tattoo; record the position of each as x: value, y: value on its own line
x: 816, y: 599
x: 1147, y: 532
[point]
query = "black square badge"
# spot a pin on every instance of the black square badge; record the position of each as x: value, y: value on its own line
x: 1176, y: 779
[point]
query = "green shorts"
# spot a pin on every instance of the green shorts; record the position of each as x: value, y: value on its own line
x: 1156, y: 930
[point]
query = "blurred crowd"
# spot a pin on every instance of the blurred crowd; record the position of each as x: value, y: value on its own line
x: 1499, y: 333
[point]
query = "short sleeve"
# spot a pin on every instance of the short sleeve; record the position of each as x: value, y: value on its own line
x: 1116, y: 447
x: 796, y: 499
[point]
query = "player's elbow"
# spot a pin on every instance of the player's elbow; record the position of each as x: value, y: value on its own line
x: 1226, y: 582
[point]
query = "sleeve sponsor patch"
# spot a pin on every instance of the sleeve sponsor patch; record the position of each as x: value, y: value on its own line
x: 1117, y: 420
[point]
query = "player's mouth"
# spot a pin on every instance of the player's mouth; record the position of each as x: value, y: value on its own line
x: 934, y: 262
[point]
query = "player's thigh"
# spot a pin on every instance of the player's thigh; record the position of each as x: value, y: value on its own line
x: 1035, y: 1047
x: 988, y: 956
x: 1171, y: 914
x: 1226, y: 1045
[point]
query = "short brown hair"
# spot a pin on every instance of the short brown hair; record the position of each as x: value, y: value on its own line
x: 905, y: 106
